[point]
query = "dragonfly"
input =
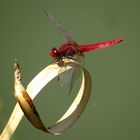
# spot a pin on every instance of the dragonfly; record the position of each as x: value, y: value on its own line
x: 71, y: 49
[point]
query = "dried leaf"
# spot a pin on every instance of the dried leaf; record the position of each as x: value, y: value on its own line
x: 25, y: 98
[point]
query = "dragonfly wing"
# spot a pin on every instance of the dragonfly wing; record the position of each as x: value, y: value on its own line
x: 69, y: 76
x: 64, y: 78
x: 76, y: 72
x: 60, y: 26
x: 80, y: 58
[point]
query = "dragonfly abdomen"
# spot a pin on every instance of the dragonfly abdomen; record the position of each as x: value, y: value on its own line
x: 89, y: 47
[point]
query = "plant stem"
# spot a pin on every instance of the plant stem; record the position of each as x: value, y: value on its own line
x: 12, y: 124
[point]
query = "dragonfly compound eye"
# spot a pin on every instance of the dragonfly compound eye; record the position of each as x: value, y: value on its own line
x: 54, y: 53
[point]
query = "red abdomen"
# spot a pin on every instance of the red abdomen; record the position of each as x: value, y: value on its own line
x: 89, y: 47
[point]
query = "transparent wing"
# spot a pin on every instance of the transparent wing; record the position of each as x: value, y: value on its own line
x: 76, y: 72
x: 70, y: 76
x: 60, y: 26
x: 64, y: 78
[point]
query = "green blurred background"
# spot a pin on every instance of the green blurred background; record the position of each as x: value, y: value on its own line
x: 113, y: 112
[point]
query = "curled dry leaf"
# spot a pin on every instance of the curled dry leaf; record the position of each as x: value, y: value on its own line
x: 25, y: 98
x: 25, y: 101
x: 67, y: 119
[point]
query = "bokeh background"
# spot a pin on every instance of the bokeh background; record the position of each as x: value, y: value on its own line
x: 113, y: 112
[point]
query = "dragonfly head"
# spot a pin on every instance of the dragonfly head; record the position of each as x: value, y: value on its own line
x: 54, y: 53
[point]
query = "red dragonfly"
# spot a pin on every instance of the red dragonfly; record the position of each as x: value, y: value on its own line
x: 71, y: 49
